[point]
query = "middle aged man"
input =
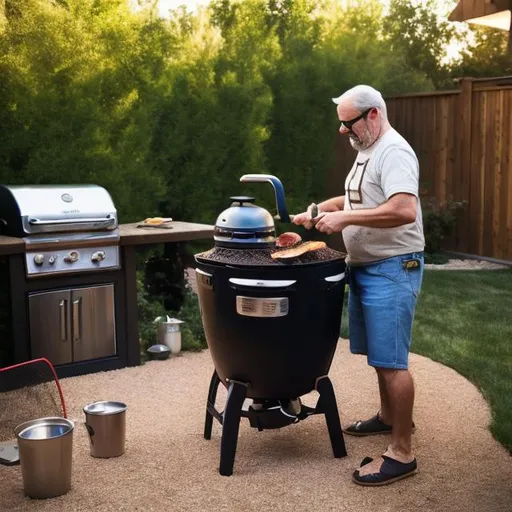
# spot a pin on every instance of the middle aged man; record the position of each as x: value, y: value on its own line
x: 380, y: 218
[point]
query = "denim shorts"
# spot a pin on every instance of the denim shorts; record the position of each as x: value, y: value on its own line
x: 381, y: 305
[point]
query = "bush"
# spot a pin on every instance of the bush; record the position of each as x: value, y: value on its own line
x: 439, y: 221
x: 151, y: 307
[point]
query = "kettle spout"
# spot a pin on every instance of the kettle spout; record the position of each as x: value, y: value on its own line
x: 282, y: 212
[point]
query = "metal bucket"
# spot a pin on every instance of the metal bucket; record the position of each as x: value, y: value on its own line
x: 169, y: 334
x: 106, y: 424
x: 46, y: 450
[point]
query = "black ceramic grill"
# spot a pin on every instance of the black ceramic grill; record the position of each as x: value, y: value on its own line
x: 271, y: 327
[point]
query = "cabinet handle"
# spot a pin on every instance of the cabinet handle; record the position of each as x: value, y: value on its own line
x: 77, y: 327
x: 63, y: 320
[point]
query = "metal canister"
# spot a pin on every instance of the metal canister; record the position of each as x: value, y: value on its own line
x: 169, y: 333
x: 106, y: 424
x: 46, y: 454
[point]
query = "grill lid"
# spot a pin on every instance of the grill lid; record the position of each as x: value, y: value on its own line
x: 244, y: 223
x: 33, y: 209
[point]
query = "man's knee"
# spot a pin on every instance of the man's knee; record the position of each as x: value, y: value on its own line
x: 391, y: 374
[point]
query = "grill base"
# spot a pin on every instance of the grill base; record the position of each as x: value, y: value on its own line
x: 230, y: 418
x: 278, y: 339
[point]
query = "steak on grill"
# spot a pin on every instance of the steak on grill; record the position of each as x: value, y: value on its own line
x: 288, y: 239
x: 295, y: 252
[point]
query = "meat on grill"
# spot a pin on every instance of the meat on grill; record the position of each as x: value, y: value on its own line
x: 288, y: 239
x: 295, y: 252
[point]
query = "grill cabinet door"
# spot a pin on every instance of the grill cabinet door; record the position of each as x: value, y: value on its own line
x: 50, y: 326
x: 93, y: 332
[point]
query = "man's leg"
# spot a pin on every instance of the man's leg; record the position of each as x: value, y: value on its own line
x: 399, y: 386
x: 388, y: 302
x: 385, y: 413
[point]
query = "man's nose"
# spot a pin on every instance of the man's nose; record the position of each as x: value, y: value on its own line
x: 344, y: 130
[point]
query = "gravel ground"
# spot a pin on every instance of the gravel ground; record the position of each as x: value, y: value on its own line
x: 467, y: 264
x: 169, y: 467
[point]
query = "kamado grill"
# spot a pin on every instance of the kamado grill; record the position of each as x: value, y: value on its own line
x: 67, y: 283
x: 272, y: 325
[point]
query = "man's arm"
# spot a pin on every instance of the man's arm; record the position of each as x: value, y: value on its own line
x: 332, y: 205
x: 400, y: 209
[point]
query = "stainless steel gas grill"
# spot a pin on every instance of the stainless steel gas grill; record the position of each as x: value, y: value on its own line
x: 66, y: 289
x: 66, y: 229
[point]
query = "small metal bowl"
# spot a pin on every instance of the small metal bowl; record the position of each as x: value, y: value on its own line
x: 159, y: 352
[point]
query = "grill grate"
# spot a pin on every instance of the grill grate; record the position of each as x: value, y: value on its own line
x: 259, y: 257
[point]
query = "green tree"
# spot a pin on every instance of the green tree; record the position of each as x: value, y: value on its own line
x: 211, y: 124
x: 423, y: 35
x: 485, y: 55
x: 72, y: 97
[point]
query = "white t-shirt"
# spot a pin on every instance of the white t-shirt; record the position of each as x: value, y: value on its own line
x: 389, y: 166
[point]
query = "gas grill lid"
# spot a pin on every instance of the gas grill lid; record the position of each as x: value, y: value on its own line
x: 33, y: 209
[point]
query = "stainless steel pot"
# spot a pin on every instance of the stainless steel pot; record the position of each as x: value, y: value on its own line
x: 46, y: 447
x: 106, y: 424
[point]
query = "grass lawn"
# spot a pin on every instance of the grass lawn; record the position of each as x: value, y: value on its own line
x: 464, y: 321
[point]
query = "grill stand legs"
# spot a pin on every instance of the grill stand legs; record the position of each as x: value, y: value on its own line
x: 210, y: 406
x: 327, y: 405
x: 230, y: 418
x: 236, y: 396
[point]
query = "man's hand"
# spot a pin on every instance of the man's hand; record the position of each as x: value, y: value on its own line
x: 308, y: 218
x: 332, y: 222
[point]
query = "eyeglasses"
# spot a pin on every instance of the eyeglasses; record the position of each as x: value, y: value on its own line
x: 348, y: 124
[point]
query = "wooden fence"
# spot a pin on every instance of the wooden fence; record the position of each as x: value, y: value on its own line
x: 463, y: 141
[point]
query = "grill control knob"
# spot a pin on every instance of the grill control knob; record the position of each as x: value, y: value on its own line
x: 51, y: 260
x: 39, y: 259
x: 71, y: 257
x: 98, y: 256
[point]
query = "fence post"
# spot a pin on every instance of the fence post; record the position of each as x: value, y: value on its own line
x: 463, y: 169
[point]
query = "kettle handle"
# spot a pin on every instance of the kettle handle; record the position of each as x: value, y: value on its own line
x: 278, y: 190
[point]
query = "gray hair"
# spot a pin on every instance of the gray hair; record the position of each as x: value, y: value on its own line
x: 364, y: 97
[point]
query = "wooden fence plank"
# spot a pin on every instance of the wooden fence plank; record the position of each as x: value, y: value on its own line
x: 464, y: 164
x: 507, y: 191
x: 476, y: 170
x: 498, y: 177
x: 489, y: 176
x: 442, y: 161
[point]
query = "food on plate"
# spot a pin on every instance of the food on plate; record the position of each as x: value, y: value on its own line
x: 288, y: 239
x: 295, y: 252
x: 154, y: 221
